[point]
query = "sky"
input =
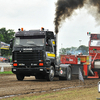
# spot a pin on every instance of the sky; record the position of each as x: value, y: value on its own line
x: 34, y: 14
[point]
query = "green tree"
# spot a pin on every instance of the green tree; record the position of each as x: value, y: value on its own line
x: 62, y: 51
x: 5, y: 36
x: 66, y: 50
x: 84, y: 49
x: 1, y: 37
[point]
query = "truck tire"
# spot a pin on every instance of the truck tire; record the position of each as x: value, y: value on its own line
x: 20, y: 77
x: 68, y: 74
x: 50, y: 75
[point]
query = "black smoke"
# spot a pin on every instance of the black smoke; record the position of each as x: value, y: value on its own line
x: 95, y: 9
x: 65, y: 8
x: 95, y: 3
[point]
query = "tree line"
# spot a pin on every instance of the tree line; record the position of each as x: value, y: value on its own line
x: 6, y: 36
x: 74, y: 50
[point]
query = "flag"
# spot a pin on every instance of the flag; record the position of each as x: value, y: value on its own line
x: 80, y: 75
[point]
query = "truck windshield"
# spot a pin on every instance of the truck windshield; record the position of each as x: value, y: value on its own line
x: 28, y: 41
x: 95, y: 43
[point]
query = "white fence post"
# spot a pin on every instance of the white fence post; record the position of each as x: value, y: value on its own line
x: 2, y: 69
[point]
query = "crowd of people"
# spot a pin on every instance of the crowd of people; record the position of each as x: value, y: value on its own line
x: 5, y: 59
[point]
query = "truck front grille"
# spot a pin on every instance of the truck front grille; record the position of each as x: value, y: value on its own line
x: 27, y: 57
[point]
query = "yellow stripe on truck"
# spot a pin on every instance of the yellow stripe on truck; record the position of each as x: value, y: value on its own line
x: 50, y: 55
x: 53, y: 42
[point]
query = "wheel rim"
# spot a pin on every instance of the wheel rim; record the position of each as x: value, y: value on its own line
x: 51, y: 73
x: 69, y: 74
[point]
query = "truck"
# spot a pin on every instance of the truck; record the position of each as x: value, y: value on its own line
x: 34, y: 54
x: 89, y: 64
x: 94, y: 53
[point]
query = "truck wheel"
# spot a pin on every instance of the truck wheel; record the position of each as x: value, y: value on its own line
x: 20, y: 77
x: 50, y: 75
x: 68, y: 74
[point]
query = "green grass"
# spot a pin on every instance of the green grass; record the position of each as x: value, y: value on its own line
x: 6, y: 72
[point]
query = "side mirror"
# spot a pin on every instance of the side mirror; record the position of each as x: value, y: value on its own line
x: 11, y: 43
x: 49, y: 42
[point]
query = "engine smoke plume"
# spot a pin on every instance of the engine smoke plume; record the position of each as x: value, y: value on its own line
x: 65, y: 8
x: 95, y: 3
x: 94, y: 9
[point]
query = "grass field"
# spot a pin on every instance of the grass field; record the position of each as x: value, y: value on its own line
x: 89, y: 93
x: 6, y: 72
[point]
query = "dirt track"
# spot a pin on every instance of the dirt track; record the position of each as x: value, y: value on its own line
x: 10, y: 86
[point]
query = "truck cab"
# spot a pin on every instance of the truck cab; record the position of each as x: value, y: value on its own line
x: 94, y: 52
x: 34, y: 54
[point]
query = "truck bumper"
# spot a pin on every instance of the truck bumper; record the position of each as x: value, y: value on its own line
x: 30, y: 71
